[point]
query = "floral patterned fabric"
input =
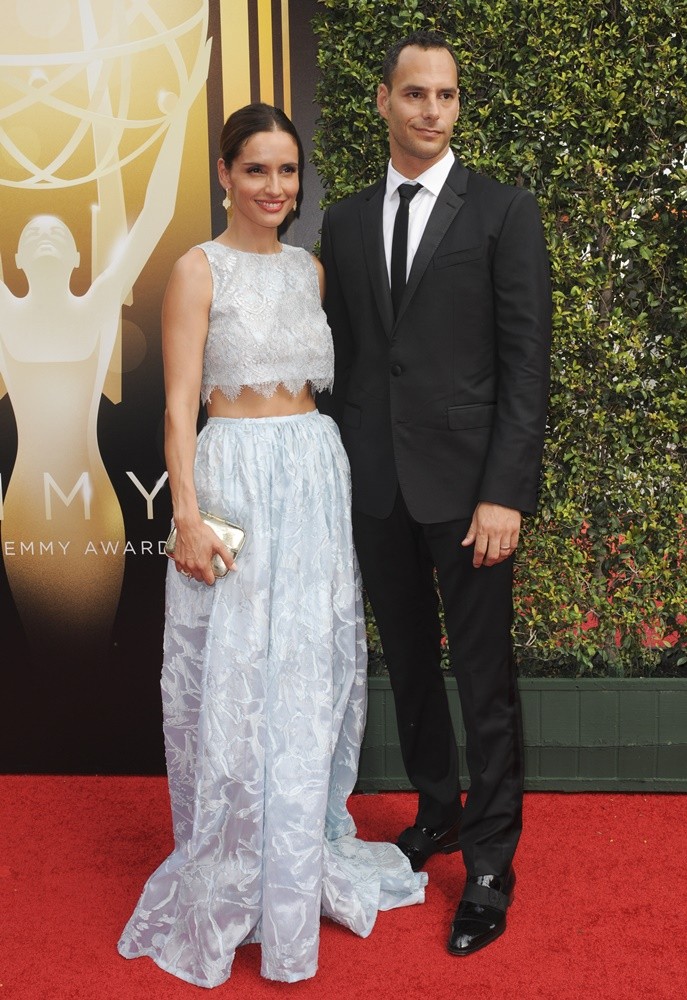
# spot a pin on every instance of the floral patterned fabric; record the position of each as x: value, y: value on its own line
x: 266, y: 325
x: 264, y: 704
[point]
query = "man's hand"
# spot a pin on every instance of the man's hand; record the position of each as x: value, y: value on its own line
x: 494, y: 531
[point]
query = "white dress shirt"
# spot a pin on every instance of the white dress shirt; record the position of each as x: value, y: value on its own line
x: 421, y: 206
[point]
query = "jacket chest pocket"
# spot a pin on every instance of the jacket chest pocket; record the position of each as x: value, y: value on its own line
x: 458, y: 256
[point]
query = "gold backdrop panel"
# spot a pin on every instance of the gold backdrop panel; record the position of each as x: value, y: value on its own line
x: 95, y: 100
x: 256, y: 61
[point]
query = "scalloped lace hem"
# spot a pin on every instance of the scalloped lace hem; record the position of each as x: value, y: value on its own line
x: 267, y: 389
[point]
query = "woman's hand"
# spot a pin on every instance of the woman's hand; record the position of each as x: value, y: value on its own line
x: 194, y: 550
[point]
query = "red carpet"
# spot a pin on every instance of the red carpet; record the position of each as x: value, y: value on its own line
x: 600, y: 907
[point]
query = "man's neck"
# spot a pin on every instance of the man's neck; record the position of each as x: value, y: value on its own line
x: 412, y: 167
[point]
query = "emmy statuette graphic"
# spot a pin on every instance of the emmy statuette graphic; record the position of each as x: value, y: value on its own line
x: 91, y: 89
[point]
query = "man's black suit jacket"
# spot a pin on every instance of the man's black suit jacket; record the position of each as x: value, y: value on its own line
x: 449, y: 400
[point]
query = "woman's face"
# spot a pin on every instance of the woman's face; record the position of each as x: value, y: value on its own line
x: 262, y: 181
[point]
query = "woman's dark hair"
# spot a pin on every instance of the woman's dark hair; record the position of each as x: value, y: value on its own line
x: 250, y: 120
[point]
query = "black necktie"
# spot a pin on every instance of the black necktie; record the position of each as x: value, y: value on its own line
x: 399, y: 243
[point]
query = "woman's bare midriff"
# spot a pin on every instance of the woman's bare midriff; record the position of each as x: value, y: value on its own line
x: 251, y: 404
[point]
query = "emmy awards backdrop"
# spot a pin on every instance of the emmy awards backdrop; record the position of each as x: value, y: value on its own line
x: 110, y: 112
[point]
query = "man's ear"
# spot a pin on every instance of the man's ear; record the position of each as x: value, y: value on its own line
x: 382, y: 99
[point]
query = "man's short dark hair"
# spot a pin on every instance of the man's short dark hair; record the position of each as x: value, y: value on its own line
x: 424, y: 40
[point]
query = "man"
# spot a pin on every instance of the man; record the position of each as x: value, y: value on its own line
x: 440, y: 394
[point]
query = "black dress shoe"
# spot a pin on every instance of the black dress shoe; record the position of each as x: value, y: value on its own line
x: 420, y: 843
x: 481, y: 914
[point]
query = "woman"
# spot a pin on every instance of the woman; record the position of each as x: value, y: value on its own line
x: 264, y: 673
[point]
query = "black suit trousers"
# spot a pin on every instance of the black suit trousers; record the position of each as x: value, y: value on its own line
x: 397, y: 557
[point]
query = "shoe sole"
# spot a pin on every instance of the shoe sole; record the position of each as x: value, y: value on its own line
x: 449, y: 849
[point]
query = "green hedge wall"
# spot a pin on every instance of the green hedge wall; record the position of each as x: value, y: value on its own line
x: 585, y: 104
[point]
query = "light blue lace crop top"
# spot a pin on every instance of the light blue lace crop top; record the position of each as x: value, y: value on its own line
x: 267, y: 326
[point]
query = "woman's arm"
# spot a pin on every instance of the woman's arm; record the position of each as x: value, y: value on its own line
x: 185, y: 312
x: 320, y: 275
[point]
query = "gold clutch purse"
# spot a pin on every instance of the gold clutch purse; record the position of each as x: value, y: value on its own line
x: 230, y: 534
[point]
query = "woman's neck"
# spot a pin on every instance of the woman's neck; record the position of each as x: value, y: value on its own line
x: 250, y: 240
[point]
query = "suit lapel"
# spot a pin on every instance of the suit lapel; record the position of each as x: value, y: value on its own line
x: 373, y: 243
x: 449, y: 202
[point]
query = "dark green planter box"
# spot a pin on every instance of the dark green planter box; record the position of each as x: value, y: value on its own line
x: 625, y: 734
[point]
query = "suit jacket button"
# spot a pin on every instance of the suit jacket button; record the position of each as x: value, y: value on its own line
x: 396, y: 370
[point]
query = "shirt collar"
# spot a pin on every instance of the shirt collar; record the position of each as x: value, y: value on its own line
x: 433, y: 179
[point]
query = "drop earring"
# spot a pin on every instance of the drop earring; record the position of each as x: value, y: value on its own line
x: 227, y: 200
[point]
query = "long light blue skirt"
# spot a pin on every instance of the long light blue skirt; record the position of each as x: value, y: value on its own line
x: 264, y: 695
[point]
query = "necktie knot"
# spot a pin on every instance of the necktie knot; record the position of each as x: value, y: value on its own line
x: 408, y: 191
